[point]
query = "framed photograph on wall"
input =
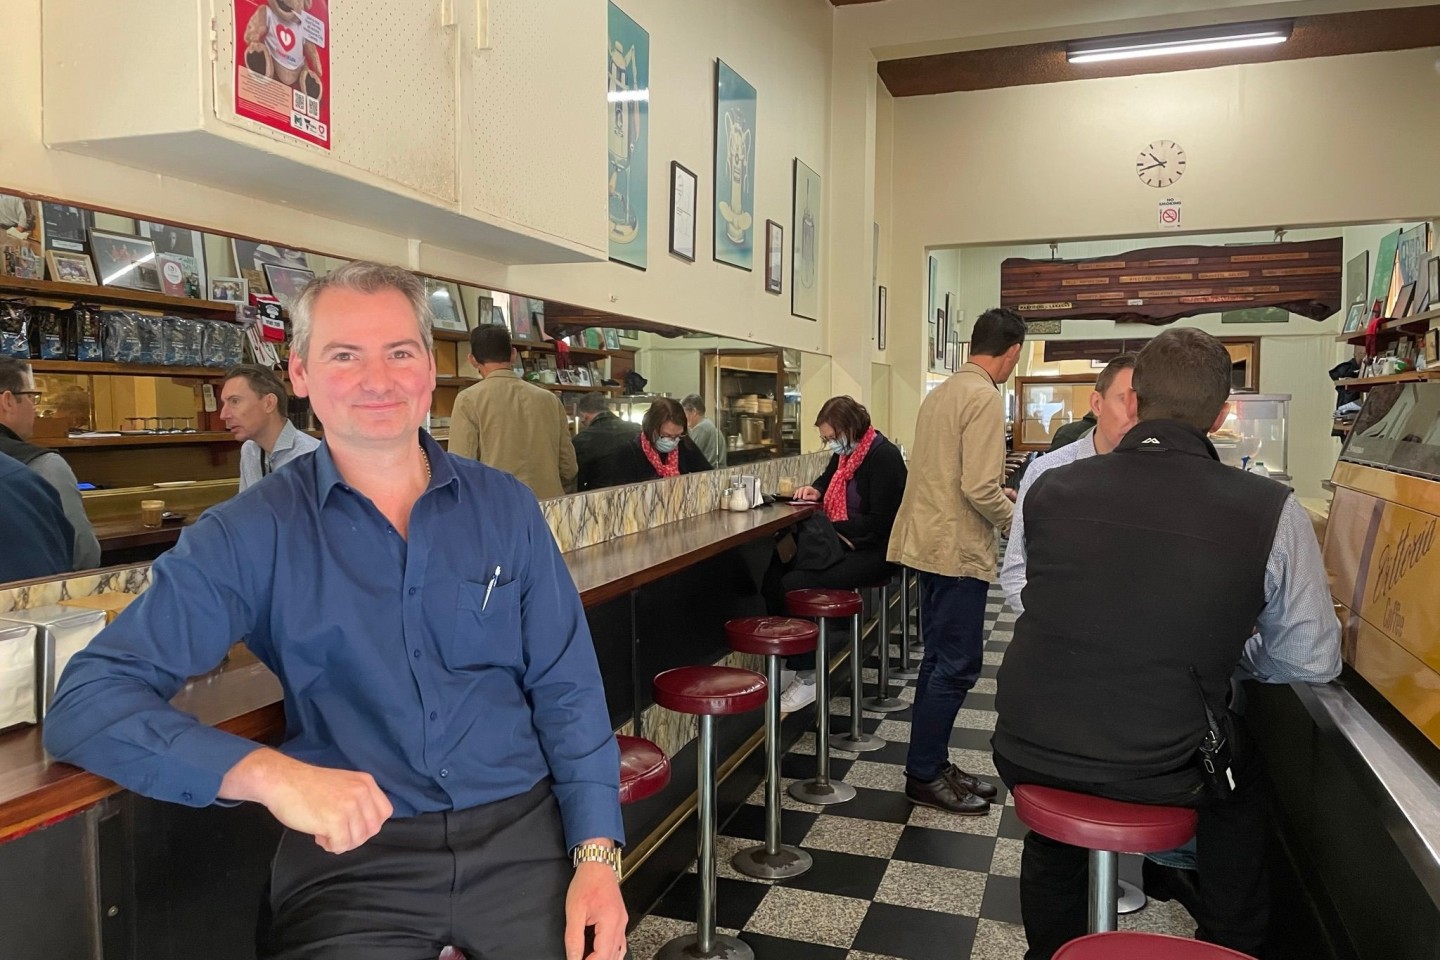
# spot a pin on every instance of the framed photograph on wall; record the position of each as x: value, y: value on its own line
x: 805, y: 257
x: 445, y: 304
x: 68, y: 267
x: 881, y: 308
x: 627, y: 107
x: 1432, y: 274
x: 65, y: 227
x: 1355, y: 317
x: 179, y: 275
x: 733, y: 207
x: 125, y: 261
x: 230, y: 289
x: 612, y: 338
x: 683, y: 188
x: 20, y: 253
x: 1404, y: 301
x: 774, y: 256
x: 1432, y: 348
x: 183, y: 242
x: 287, y: 282
x: 522, y: 325
x: 252, y: 255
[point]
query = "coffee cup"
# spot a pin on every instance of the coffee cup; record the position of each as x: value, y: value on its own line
x: 152, y: 512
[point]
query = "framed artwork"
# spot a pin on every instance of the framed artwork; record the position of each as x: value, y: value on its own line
x: 612, y: 338
x: 1433, y: 277
x: 1357, y: 278
x: 582, y: 376
x: 1355, y: 318
x: 683, y: 187
x: 484, y: 308
x: 627, y: 107
x: 881, y: 308
x: 1432, y: 347
x: 1410, y: 253
x: 445, y: 304
x: 70, y: 267
x: 65, y: 227
x: 952, y: 354
x: 734, y: 192
x: 178, y: 275
x: 592, y: 338
x: 627, y: 334
x: 1384, y: 271
x: 230, y: 289
x: 252, y: 255
x: 181, y: 241
x: 125, y: 261
x: 1404, y: 301
x: 522, y: 325
x: 774, y: 256
x: 287, y: 282
x: 20, y: 252
x: 932, y: 305
x: 807, y: 231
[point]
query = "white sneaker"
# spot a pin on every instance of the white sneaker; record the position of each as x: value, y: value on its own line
x: 787, y: 677
x: 797, y: 696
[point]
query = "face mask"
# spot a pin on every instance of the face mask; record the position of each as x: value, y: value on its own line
x: 839, y: 447
x: 666, y: 444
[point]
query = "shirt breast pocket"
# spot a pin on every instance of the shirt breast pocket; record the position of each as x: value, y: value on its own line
x: 487, y: 631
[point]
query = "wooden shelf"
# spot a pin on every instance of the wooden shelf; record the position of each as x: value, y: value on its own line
x: 125, y: 369
x: 1394, y: 327
x: 115, y: 296
x: 145, y: 440
x: 570, y: 388
x: 461, y: 382
x: 576, y: 352
x: 1410, y: 376
x: 454, y: 336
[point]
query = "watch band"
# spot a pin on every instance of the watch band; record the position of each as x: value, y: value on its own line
x: 596, y: 853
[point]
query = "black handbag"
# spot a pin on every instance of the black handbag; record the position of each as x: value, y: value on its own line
x: 817, y: 545
x: 1213, y: 755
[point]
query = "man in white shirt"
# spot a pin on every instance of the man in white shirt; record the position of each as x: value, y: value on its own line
x: 1113, y: 403
x: 252, y: 404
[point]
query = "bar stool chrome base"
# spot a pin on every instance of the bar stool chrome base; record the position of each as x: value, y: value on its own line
x: 822, y: 794
x: 759, y: 863
x: 860, y: 742
x: 1132, y: 899
x: 902, y: 673
x: 721, y: 948
x: 882, y: 705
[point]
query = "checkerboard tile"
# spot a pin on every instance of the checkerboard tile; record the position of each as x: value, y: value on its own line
x: 891, y: 881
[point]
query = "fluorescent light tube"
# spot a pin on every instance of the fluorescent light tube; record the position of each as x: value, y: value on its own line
x: 1171, y: 42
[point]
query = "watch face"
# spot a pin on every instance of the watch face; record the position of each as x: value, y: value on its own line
x: 1160, y: 164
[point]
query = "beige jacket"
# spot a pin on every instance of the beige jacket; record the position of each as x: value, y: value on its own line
x: 953, y: 501
x: 515, y: 426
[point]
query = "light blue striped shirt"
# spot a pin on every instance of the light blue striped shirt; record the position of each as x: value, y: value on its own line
x: 290, y: 444
x: 1297, y: 635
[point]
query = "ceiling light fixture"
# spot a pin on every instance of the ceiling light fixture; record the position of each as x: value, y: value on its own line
x: 1232, y: 36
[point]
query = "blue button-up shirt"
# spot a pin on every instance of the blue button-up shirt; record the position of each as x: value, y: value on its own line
x: 396, y: 657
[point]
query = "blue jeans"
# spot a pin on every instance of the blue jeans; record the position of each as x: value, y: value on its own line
x: 952, y: 613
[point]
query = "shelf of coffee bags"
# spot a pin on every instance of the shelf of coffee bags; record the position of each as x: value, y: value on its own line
x: 125, y: 369
x: 115, y: 296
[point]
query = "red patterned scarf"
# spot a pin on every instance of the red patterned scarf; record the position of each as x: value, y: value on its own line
x: 669, y: 467
x: 835, y: 507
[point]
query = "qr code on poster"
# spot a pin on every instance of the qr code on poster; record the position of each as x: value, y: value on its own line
x: 297, y: 102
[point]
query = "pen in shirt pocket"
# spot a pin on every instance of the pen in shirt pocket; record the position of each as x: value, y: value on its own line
x: 489, y: 587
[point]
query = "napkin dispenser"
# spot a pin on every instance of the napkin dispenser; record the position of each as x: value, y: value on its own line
x: 751, y: 486
x: 61, y: 632
x: 17, y: 675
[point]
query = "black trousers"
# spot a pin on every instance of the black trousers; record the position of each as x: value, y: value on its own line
x: 858, y: 568
x: 1231, y: 840
x: 490, y: 880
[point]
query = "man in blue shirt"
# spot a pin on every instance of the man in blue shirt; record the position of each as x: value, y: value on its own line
x: 33, y: 527
x: 447, y: 738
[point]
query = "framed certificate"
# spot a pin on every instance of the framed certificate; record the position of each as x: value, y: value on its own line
x: 683, y: 185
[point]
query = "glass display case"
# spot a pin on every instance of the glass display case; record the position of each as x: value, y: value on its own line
x: 1048, y: 403
x: 1257, y: 430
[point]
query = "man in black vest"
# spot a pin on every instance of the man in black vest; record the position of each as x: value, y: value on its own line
x: 1149, y: 571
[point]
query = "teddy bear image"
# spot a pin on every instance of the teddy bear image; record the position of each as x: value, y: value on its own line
x: 275, y: 47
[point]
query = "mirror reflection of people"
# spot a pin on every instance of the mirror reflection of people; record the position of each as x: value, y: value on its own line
x: 17, y: 219
x: 602, y: 435
x: 703, y: 431
x: 860, y: 491
x: 449, y: 772
x: 509, y: 424
x: 18, y: 402
x: 663, y: 447
x: 252, y: 406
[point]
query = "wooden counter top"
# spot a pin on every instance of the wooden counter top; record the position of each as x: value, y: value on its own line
x: 123, y: 534
x: 244, y: 698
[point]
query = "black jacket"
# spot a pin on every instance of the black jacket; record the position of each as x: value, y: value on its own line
x: 630, y: 465
x: 1073, y: 431
x: 880, y: 481
x: 595, y: 449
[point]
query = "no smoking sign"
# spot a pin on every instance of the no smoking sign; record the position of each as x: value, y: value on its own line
x: 1169, y: 214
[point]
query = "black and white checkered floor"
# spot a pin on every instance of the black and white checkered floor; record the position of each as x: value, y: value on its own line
x: 891, y: 881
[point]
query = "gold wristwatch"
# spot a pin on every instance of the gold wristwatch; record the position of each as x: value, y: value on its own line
x: 596, y: 853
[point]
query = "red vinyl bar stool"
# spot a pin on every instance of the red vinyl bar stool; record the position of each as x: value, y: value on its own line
x: 882, y: 702
x: 819, y: 605
x: 1144, y: 946
x: 772, y: 638
x: 708, y: 692
x: 909, y: 587
x: 1104, y: 827
x: 644, y: 769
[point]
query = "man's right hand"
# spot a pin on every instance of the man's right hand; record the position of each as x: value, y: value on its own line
x: 341, y: 809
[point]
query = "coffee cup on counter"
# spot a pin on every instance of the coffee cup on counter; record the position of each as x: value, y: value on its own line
x: 152, y: 512
x: 785, y: 487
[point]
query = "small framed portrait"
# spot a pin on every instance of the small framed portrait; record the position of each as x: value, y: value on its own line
x: 70, y: 267
x: 183, y: 242
x: 252, y: 255
x: 566, y: 376
x: 445, y: 304
x: 287, y: 282
x: 1432, y: 274
x: 66, y: 227
x: 1404, y: 301
x: 582, y: 376
x: 125, y: 261
x: 774, y: 256
x: 683, y: 188
x: 612, y: 338
x: 1432, y: 347
x: 230, y: 289
x: 1355, y: 318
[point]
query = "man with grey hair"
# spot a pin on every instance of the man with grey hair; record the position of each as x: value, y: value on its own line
x: 706, y: 435
x: 447, y: 745
x: 601, y: 435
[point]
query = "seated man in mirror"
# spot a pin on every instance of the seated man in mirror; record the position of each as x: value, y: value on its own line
x: 252, y: 406
x: 703, y: 431
x: 18, y: 402
x: 601, y: 435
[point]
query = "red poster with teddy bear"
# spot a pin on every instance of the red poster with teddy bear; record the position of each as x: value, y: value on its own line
x: 282, y: 66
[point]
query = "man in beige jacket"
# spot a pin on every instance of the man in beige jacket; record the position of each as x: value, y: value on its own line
x: 946, y: 530
x: 509, y: 424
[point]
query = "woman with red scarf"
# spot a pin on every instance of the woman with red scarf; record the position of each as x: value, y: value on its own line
x: 860, y: 491
x: 663, y: 448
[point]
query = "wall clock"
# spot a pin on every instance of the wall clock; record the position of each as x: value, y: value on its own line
x: 1160, y: 164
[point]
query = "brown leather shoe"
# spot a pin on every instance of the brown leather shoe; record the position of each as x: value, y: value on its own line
x: 970, y: 784
x: 943, y: 795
